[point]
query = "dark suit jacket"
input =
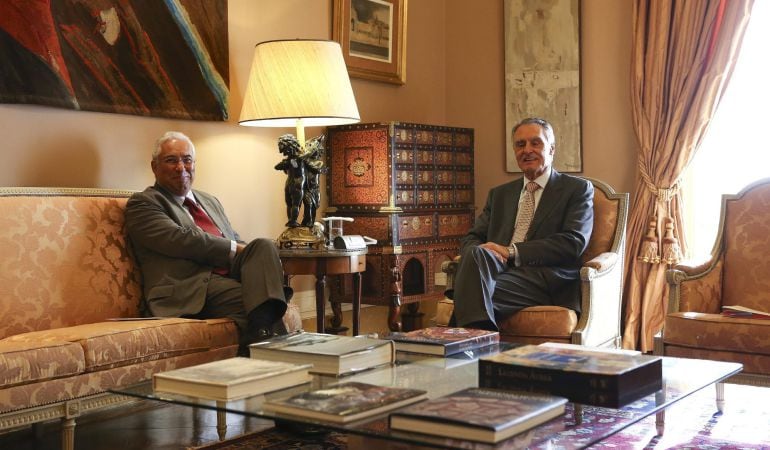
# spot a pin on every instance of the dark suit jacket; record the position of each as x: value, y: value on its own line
x: 558, y: 235
x: 175, y: 256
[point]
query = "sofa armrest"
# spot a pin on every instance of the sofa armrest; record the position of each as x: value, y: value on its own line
x: 601, y: 292
x: 695, y: 287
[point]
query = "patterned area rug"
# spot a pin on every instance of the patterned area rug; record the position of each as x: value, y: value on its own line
x: 693, y: 423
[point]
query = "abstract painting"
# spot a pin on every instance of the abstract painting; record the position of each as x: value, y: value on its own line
x: 161, y: 58
x: 542, y: 74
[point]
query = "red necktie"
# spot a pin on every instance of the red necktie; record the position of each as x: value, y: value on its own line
x: 205, y: 223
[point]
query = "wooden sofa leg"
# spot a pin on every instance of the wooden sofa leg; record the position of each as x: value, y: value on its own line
x: 68, y: 434
x: 720, y: 396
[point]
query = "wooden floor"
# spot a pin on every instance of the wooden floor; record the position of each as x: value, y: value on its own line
x: 155, y: 425
x: 145, y: 425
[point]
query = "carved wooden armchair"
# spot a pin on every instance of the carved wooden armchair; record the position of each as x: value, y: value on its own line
x: 736, y: 273
x: 601, y: 286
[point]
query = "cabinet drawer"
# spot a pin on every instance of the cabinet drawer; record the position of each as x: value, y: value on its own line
x: 415, y: 227
x: 463, y: 159
x: 454, y: 224
x: 404, y: 176
x: 424, y: 156
x: 465, y: 196
x: 445, y: 177
x: 425, y: 176
x: 444, y: 158
x: 426, y: 197
x: 405, y: 197
x: 444, y: 197
x: 463, y: 177
x: 403, y: 156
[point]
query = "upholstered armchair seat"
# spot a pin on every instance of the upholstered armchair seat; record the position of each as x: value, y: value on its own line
x: 600, y: 286
x: 736, y: 273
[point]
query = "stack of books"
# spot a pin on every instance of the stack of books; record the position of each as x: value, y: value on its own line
x: 328, y: 353
x: 443, y: 341
x: 231, y: 379
x: 484, y: 415
x: 583, y: 375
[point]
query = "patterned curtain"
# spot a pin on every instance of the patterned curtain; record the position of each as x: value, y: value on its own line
x: 683, y: 55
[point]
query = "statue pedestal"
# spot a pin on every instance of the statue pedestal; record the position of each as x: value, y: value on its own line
x: 302, y: 237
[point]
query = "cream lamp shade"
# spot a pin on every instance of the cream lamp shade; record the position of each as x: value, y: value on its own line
x: 297, y: 83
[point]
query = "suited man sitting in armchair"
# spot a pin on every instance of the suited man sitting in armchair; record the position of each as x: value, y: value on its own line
x: 193, y: 263
x: 525, y: 247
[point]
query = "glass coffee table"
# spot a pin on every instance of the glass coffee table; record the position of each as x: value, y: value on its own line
x: 580, y: 427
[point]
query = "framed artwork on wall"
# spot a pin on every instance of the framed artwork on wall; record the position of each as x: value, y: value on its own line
x: 149, y: 58
x: 542, y: 74
x: 372, y: 34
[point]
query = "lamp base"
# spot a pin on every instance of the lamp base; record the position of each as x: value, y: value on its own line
x: 302, y: 237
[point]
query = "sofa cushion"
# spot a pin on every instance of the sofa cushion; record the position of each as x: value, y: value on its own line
x: 31, y: 362
x: 718, y: 333
x: 114, y: 344
x: 545, y: 321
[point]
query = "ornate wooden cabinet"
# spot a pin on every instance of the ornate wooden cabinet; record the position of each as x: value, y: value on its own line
x: 410, y: 186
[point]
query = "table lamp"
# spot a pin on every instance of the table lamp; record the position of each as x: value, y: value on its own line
x: 298, y: 83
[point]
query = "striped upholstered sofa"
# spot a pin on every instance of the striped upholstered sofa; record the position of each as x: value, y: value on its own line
x: 64, y: 271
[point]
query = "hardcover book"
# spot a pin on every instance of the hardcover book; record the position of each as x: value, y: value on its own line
x: 589, y: 376
x: 346, y: 402
x: 443, y: 341
x: 742, y: 311
x: 231, y: 379
x: 328, y: 353
x: 484, y: 415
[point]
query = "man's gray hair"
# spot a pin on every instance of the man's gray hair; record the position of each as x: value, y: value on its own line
x: 169, y: 135
x: 547, y: 127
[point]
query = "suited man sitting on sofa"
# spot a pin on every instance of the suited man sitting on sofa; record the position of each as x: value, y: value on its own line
x: 524, y: 248
x: 193, y: 263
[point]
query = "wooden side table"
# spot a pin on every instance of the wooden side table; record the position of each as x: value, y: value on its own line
x: 324, y: 262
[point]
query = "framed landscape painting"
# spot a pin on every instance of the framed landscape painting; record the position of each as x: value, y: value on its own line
x: 542, y: 74
x: 372, y: 34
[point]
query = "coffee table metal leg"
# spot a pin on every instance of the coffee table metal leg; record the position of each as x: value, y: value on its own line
x: 356, y: 302
x: 320, y: 302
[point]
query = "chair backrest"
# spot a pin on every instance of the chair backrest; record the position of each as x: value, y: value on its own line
x: 743, y: 241
x: 610, y: 216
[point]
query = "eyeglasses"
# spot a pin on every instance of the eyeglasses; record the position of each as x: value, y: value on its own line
x: 173, y: 161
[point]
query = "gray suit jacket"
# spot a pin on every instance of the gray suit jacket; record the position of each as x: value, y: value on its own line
x: 557, y: 237
x: 175, y: 256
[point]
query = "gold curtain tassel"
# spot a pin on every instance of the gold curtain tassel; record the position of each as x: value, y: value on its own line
x: 649, y: 251
x: 672, y: 251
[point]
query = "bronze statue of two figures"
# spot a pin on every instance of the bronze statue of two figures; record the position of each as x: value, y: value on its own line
x: 303, y: 169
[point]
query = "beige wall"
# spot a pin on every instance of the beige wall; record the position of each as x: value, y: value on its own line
x: 454, y: 77
x: 476, y: 88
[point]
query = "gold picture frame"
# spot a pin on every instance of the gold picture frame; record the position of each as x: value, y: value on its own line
x: 372, y: 34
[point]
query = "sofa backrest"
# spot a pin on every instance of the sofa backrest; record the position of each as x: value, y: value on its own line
x: 744, y: 237
x: 64, y: 259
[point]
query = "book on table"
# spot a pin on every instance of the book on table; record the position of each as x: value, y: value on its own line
x: 231, y: 379
x: 328, y: 353
x: 582, y: 375
x: 477, y: 414
x: 345, y: 402
x: 443, y: 341
x: 742, y: 311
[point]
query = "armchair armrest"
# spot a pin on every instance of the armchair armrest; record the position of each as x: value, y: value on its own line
x: 601, y: 290
x: 695, y: 286
x: 450, y: 268
x: 599, y: 265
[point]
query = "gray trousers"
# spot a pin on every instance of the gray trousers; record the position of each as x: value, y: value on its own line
x: 256, y: 275
x: 486, y: 289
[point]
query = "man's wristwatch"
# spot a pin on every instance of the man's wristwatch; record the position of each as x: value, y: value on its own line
x: 511, y: 251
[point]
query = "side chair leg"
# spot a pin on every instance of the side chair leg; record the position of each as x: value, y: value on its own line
x: 720, y: 396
